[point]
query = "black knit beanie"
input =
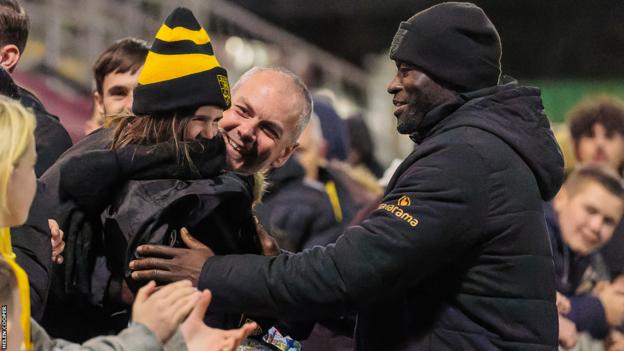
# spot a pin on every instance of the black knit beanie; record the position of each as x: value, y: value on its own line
x: 453, y: 42
x: 181, y: 69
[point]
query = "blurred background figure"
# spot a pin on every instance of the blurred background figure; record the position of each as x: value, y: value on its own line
x: 581, y: 219
x: 596, y: 126
x: 334, y: 129
x: 356, y: 188
x: 116, y: 72
x: 361, y: 154
x: 296, y: 208
x: 597, y: 129
x: 51, y: 138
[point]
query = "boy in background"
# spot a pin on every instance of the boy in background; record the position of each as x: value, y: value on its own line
x: 580, y: 220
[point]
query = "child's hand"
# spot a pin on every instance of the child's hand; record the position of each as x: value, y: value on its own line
x: 563, y: 304
x: 199, y: 336
x: 58, y: 245
x: 162, y: 311
x: 567, y: 333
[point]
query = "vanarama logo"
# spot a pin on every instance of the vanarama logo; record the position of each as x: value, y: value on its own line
x: 404, y: 201
x: 399, y: 212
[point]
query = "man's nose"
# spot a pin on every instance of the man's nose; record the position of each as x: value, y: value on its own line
x: 394, y: 86
x: 247, y: 134
x: 128, y: 103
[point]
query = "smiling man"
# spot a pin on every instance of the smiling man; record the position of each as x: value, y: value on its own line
x: 457, y: 255
x: 270, y: 109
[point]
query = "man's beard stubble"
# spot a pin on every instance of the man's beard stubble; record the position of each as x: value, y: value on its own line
x: 409, y: 121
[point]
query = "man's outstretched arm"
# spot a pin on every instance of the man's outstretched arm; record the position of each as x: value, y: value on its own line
x: 426, y: 221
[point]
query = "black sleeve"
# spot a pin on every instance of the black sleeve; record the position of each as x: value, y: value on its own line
x: 30, y: 255
x: 112, y: 167
x: 432, y: 215
x: 33, y: 251
x: 51, y: 140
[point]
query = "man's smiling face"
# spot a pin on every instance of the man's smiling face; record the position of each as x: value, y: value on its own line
x: 414, y: 95
x: 259, y: 127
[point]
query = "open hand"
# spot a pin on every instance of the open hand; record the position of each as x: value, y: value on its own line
x: 199, y: 336
x: 162, y: 311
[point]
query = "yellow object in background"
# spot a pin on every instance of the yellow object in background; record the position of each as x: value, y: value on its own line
x: 6, y: 250
x: 330, y: 188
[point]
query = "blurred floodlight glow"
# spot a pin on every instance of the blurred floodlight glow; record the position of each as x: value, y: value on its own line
x: 260, y: 53
x: 242, y: 53
x: 246, y: 58
x: 233, y: 46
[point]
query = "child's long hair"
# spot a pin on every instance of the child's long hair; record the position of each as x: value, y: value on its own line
x: 17, y: 126
x: 168, y: 126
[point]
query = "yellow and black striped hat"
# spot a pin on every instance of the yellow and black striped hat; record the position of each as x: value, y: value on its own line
x: 181, y: 69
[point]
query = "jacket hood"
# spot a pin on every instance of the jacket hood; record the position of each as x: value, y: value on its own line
x: 515, y: 114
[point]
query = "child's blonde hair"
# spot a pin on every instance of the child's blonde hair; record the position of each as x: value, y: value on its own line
x: 17, y: 126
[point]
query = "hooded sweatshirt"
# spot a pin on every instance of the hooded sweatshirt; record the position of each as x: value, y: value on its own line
x: 456, y: 257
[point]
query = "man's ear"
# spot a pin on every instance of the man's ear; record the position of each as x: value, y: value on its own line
x: 324, y: 149
x: 9, y: 56
x: 561, y: 199
x: 288, y: 151
x: 98, y: 103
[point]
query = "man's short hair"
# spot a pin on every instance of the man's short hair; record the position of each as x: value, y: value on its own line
x: 125, y: 55
x: 8, y: 283
x: 605, y: 110
x: 608, y: 179
x: 14, y: 24
x: 306, y: 112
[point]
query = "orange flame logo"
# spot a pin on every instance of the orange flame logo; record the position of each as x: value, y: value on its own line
x: 404, y: 201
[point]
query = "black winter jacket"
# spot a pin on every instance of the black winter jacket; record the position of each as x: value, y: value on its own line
x: 75, y: 191
x: 216, y: 211
x: 51, y: 140
x: 455, y: 258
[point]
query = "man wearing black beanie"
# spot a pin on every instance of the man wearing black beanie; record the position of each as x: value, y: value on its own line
x: 457, y: 256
